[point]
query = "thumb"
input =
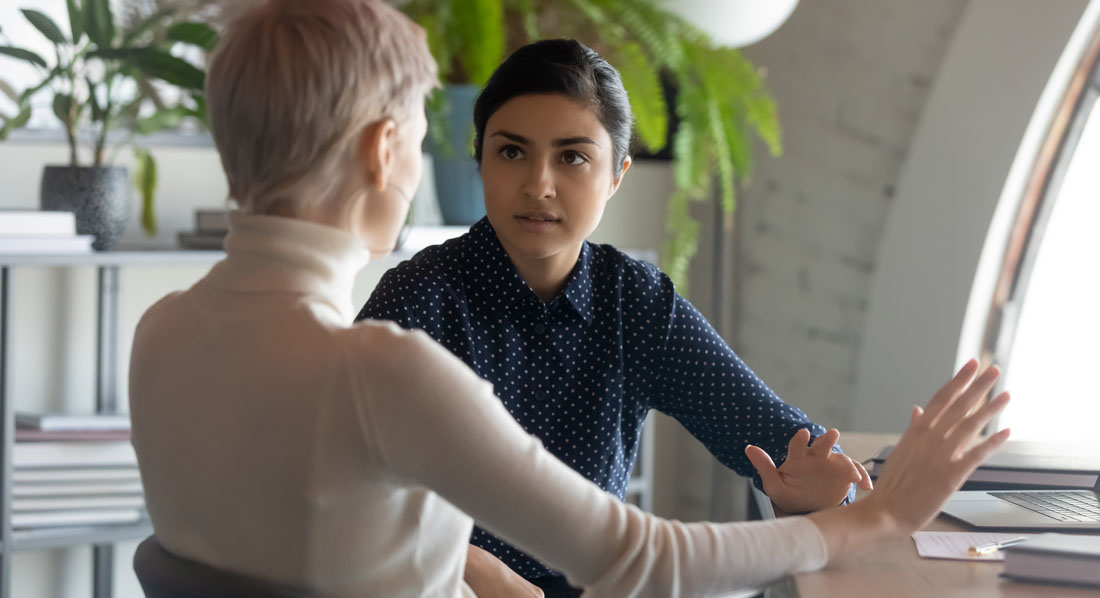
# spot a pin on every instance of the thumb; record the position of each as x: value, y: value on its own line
x: 763, y: 464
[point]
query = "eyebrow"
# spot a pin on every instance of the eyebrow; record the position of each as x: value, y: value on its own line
x: 556, y: 143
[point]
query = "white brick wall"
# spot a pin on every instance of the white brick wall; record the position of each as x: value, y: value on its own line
x: 850, y: 78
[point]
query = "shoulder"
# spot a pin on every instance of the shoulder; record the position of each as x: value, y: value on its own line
x: 403, y: 362
x: 635, y: 278
x: 161, y: 312
x: 386, y: 348
x: 432, y: 272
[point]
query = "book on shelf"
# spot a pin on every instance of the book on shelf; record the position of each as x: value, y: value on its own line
x: 51, y: 244
x: 71, y: 422
x: 201, y: 240
x: 83, y: 488
x: 76, y: 517
x: 75, y: 475
x: 211, y: 221
x: 1030, y: 464
x: 70, y: 503
x: 27, y: 435
x: 27, y: 223
x: 72, y: 454
x: 1059, y: 558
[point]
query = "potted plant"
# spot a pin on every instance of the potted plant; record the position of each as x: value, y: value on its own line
x: 104, y: 77
x: 719, y: 99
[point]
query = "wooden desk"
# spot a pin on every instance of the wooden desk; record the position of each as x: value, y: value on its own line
x: 893, y: 570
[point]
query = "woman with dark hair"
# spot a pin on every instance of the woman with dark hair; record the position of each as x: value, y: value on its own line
x: 579, y: 340
x: 279, y: 442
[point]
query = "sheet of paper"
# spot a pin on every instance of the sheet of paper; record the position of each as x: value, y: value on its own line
x: 956, y: 545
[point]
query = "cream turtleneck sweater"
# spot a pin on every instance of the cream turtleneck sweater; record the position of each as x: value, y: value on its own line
x: 278, y: 440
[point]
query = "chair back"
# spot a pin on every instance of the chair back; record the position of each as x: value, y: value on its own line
x: 165, y: 575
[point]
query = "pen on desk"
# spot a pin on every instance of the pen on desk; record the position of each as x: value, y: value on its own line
x: 984, y: 549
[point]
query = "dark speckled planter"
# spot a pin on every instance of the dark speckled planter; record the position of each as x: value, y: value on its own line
x: 100, y: 196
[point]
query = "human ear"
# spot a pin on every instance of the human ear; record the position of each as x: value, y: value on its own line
x: 616, y: 181
x: 376, y: 148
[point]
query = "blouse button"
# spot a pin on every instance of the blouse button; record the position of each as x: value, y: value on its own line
x: 540, y: 395
x: 540, y: 329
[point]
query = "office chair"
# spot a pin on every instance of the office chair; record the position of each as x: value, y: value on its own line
x: 165, y: 575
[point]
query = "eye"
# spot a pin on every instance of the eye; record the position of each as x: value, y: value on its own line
x: 510, y: 152
x: 573, y: 158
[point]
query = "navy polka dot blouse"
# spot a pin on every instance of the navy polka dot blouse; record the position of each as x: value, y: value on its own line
x: 582, y: 371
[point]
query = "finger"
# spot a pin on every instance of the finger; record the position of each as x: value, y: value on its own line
x: 797, y: 447
x: 949, y: 391
x: 973, y: 423
x: 966, y: 401
x: 864, y: 477
x: 918, y: 411
x: 764, y: 465
x: 844, y: 467
x: 824, y: 444
x: 974, y: 457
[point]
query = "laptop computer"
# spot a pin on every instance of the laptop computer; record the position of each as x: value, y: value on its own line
x: 1066, y: 509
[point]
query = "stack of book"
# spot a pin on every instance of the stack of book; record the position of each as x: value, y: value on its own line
x: 1027, y: 464
x: 211, y: 226
x: 37, y: 231
x: 74, y: 470
x: 1058, y: 558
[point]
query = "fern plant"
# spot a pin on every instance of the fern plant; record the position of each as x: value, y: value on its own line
x: 720, y: 100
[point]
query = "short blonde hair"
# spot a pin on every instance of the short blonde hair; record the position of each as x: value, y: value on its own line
x: 292, y: 85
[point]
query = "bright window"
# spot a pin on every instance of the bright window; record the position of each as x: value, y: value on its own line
x: 1052, y: 365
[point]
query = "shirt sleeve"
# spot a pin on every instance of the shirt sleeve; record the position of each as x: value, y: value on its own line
x: 438, y: 425
x: 705, y: 386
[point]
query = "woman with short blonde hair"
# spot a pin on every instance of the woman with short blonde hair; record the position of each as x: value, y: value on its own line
x: 278, y: 442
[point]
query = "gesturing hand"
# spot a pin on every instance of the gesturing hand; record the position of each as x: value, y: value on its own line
x: 812, y: 477
x: 936, y: 453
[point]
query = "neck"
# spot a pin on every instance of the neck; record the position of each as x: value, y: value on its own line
x: 546, y: 276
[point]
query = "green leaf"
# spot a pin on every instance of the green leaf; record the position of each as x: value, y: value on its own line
x: 98, y: 113
x: 482, y: 24
x: 168, y: 118
x: 9, y: 91
x: 99, y: 23
x: 647, y: 98
x: 15, y: 122
x: 76, y: 20
x: 435, y: 31
x: 44, y: 24
x: 683, y: 240
x: 22, y: 118
x: 22, y: 54
x: 145, y: 178
x: 162, y: 65
x: 29, y: 92
x: 157, y: 63
x: 62, y: 107
x: 196, y: 34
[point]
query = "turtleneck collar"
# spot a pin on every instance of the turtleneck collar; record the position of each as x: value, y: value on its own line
x: 276, y: 254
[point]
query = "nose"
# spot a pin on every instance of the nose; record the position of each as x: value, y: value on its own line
x: 540, y: 181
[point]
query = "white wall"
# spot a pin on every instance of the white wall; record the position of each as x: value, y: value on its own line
x: 981, y: 105
x: 851, y: 79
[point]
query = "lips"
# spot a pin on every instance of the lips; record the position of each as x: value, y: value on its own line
x: 538, y: 216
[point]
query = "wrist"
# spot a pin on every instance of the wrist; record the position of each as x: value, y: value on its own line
x: 851, y: 528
